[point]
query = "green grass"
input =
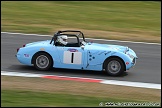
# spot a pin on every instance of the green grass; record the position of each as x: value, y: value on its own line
x: 137, y: 17
x: 20, y: 98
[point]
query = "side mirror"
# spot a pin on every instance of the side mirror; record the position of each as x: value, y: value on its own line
x: 82, y: 46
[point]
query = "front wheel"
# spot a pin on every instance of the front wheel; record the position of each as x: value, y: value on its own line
x: 114, y: 67
x: 42, y: 61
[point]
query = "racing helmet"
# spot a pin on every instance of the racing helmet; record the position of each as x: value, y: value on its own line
x: 62, y: 39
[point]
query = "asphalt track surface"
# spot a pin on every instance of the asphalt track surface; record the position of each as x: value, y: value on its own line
x: 147, y: 68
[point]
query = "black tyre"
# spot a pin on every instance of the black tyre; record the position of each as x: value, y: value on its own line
x: 114, y: 66
x: 42, y: 61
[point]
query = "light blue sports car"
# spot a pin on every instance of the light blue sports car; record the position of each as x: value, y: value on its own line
x: 69, y: 49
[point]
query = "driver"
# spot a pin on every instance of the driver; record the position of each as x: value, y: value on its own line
x: 61, y: 40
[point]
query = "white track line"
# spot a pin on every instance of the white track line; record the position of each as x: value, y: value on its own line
x: 113, y: 82
x: 132, y: 84
x: 20, y: 74
x: 86, y: 38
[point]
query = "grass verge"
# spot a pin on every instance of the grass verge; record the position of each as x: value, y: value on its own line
x: 22, y: 91
x: 21, y: 98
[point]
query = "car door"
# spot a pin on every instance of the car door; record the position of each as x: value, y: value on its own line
x: 71, y: 57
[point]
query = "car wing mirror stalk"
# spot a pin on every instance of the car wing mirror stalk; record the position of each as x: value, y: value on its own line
x: 82, y: 47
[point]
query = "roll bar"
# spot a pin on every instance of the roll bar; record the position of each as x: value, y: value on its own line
x: 63, y: 33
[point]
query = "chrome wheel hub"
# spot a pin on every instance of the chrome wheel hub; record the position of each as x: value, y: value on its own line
x: 114, y: 66
x: 42, y: 61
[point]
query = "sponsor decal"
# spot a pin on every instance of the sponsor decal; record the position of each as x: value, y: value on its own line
x: 72, y: 50
x: 26, y: 55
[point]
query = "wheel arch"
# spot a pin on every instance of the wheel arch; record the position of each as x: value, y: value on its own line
x: 32, y: 61
x: 104, y: 63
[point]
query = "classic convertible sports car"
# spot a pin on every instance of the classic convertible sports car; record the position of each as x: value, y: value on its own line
x: 76, y: 53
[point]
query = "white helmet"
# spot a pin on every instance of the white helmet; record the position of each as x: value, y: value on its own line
x: 62, y: 39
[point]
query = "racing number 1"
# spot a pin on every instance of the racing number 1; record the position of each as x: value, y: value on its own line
x: 72, y: 57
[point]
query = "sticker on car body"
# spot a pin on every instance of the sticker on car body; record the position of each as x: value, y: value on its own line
x: 72, y: 50
x: 72, y: 57
x: 26, y: 55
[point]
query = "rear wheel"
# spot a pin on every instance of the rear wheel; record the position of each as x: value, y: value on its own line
x: 42, y: 61
x: 114, y: 66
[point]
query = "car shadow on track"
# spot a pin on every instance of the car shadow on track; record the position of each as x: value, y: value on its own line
x: 60, y: 71
x: 83, y: 72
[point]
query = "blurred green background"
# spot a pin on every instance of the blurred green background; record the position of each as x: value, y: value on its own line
x: 128, y: 20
